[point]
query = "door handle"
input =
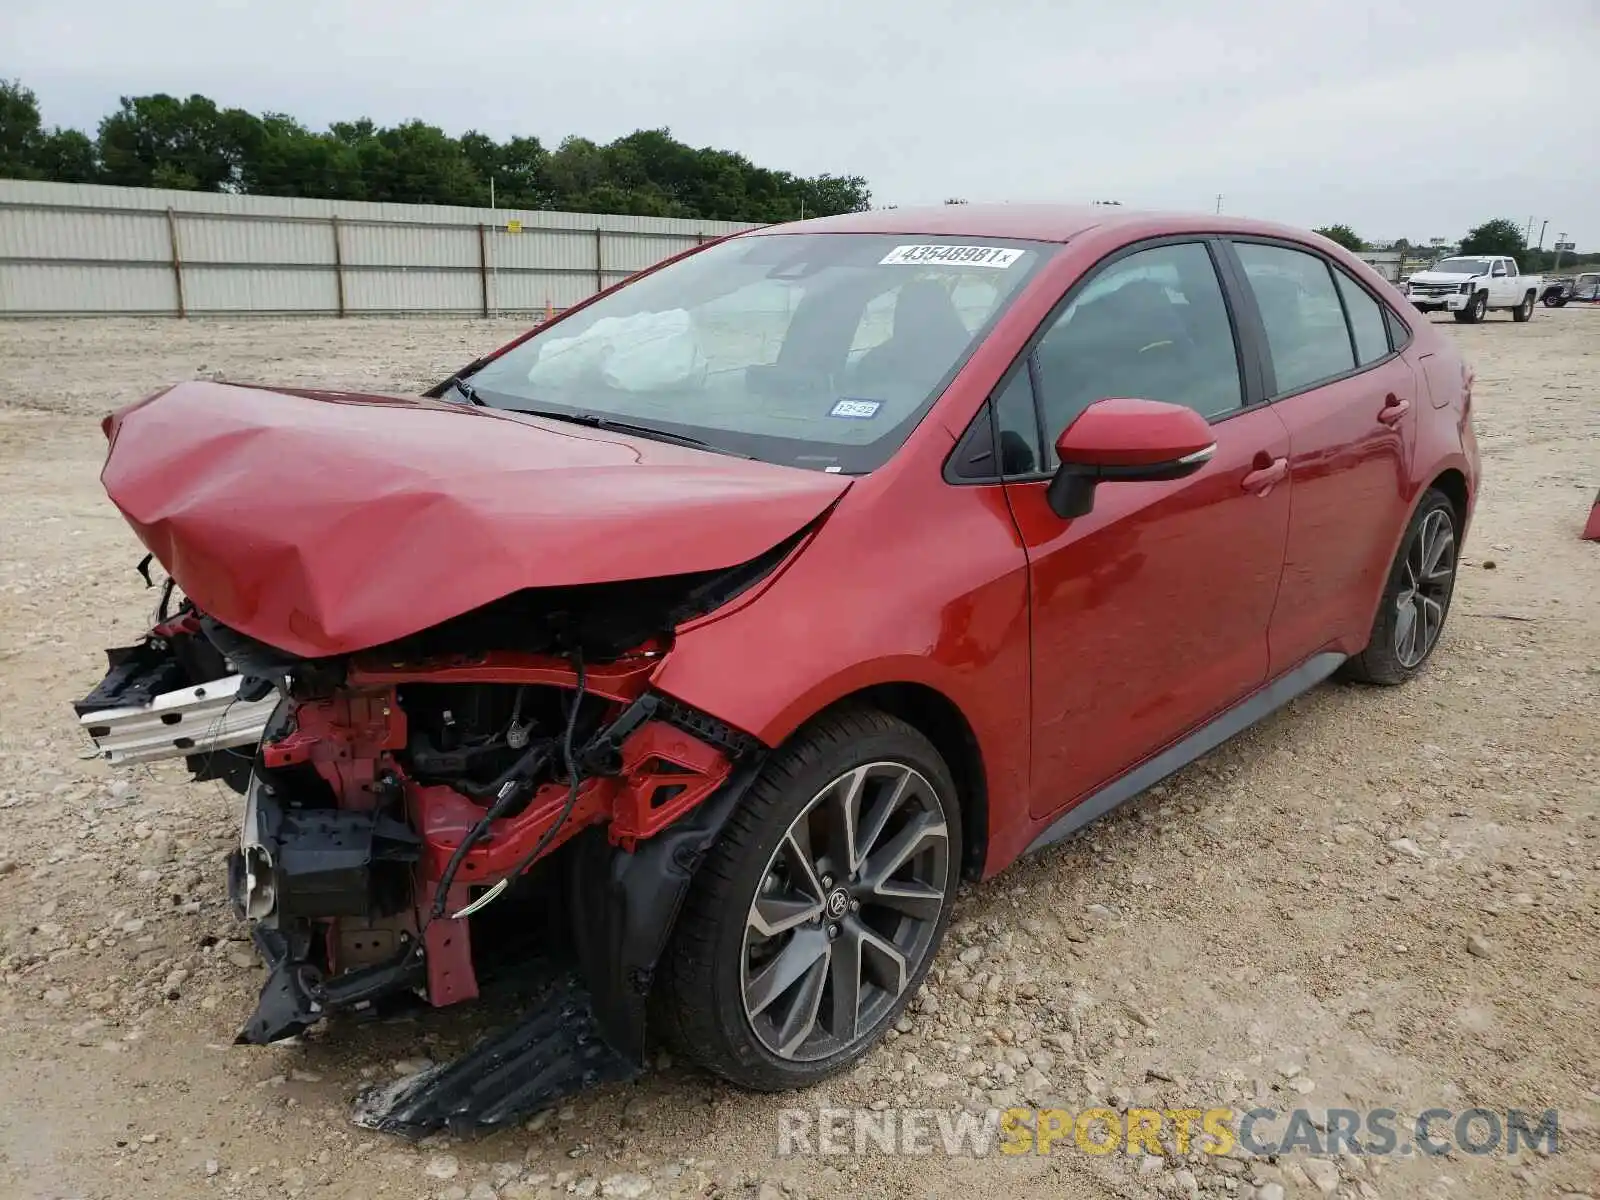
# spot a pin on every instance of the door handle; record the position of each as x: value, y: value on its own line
x: 1393, y: 409
x: 1263, y: 479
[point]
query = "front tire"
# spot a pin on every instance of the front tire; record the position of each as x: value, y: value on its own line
x: 1416, y: 598
x: 815, y: 917
x: 1523, y: 311
x: 1476, y: 311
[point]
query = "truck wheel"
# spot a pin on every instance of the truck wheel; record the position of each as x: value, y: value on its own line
x: 1474, y: 311
x: 1558, y: 301
x: 1523, y: 311
x: 814, y: 918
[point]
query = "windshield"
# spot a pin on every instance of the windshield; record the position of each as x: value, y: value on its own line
x: 1462, y: 266
x: 812, y: 350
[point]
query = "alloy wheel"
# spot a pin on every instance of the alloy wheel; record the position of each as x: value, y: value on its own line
x: 1424, y: 595
x: 845, y: 912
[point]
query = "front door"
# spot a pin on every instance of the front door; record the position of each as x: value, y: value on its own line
x: 1150, y: 613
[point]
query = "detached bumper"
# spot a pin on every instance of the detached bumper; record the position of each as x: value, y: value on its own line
x: 140, y: 713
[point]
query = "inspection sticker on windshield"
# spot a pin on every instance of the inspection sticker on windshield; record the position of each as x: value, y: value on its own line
x: 997, y: 257
x: 859, y: 410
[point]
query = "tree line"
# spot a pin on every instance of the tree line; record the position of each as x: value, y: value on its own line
x: 192, y: 144
x: 1500, y: 236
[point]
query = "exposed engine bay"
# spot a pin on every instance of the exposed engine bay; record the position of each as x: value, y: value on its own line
x: 516, y: 755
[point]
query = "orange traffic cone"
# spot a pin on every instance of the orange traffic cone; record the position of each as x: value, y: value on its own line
x: 1591, y: 531
x: 548, y: 311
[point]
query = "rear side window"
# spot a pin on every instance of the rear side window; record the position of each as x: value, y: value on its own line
x: 1152, y: 326
x: 1306, y: 332
x: 1366, y: 320
x: 1399, y: 335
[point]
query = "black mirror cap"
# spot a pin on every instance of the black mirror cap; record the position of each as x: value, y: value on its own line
x: 1070, y: 492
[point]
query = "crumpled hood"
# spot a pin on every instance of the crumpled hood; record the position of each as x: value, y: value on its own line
x: 327, y: 522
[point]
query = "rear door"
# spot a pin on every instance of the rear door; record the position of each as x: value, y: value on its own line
x: 1335, y: 374
x: 1149, y: 613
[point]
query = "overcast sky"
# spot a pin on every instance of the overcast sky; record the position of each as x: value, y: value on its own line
x: 1411, y: 118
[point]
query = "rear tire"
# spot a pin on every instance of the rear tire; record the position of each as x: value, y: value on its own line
x: 1523, y: 311
x: 1416, y: 598
x: 800, y: 944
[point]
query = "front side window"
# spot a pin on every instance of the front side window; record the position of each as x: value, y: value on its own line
x: 1499, y: 267
x: 1151, y: 326
x: 811, y: 350
x: 1306, y: 332
x: 1366, y: 320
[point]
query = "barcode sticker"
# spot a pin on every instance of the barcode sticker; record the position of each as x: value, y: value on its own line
x: 994, y: 257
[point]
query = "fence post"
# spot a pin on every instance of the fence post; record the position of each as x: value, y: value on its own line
x: 483, y: 268
x: 599, y: 259
x: 177, y: 261
x: 338, y: 263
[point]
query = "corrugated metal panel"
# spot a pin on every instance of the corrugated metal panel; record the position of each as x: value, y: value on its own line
x: 101, y: 237
x: 531, y: 291
x: 214, y: 239
x: 44, y: 290
x: 260, y: 290
x: 78, y: 195
x: 409, y: 246
x: 418, y: 291
x: 93, y: 248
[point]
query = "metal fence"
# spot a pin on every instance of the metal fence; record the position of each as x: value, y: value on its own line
x: 92, y: 250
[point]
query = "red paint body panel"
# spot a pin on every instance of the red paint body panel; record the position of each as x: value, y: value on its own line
x: 324, y: 523
x: 1119, y: 432
x: 1150, y: 613
x: 1354, y: 487
x: 1072, y: 649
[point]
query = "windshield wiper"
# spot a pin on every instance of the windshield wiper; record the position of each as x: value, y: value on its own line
x: 596, y: 421
x: 468, y: 392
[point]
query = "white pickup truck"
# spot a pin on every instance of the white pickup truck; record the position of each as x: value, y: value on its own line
x: 1470, y: 286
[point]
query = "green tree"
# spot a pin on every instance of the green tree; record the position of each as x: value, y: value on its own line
x: 162, y: 141
x: 1500, y: 236
x: 290, y: 160
x: 1344, y: 236
x: 151, y: 137
x: 66, y: 156
x: 21, y: 131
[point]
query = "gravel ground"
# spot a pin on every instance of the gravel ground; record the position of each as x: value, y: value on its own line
x: 1376, y: 898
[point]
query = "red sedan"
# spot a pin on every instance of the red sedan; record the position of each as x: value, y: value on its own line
x: 727, y: 621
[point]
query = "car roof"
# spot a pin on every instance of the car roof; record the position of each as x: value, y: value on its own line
x: 1035, y: 222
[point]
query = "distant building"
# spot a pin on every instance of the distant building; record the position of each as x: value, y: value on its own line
x: 1384, y: 262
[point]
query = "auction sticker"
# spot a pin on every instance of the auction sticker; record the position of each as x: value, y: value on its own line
x: 858, y: 410
x: 996, y: 257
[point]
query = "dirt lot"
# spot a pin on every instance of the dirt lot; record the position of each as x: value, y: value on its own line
x: 1377, y: 898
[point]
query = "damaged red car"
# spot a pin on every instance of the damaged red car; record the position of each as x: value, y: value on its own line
x: 702, y: 640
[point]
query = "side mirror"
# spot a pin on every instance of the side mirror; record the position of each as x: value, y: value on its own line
x: 1127, y: 440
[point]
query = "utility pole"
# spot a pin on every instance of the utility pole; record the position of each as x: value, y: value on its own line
x: 1561, y: 239
x: 1528, y: 236
x: 1542, y: 227
x: 1219, y: 202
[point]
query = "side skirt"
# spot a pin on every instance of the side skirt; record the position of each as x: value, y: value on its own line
x: 1208, y: 737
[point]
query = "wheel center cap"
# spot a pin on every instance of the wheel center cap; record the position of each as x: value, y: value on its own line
x: 838, y: 902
